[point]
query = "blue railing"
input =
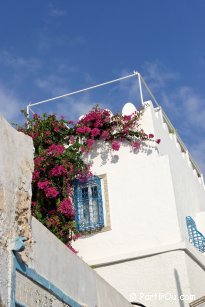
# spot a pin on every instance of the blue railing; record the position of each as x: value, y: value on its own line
x: 196, y: 238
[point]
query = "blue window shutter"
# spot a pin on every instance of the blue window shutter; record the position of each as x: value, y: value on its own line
x: 88, y: 204
x: 98, y: 195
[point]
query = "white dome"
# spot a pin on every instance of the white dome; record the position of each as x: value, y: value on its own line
x: 128, y: 109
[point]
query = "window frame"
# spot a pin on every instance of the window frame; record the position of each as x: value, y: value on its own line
x: 105, y: 207
x: 79, y: 203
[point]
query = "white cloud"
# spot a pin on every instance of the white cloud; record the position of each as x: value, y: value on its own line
x: 55, y: 12
x: 74, y: 107
x: 71, y: 107
x: 183, y: 101
x: 19, y: 62
x: 183, y: 104
x: 9, y: 104
x: 192, y: 106
x: 157, y: 75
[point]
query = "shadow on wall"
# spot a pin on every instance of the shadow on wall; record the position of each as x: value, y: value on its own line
x: 179, y: 289
x: 107, y: 154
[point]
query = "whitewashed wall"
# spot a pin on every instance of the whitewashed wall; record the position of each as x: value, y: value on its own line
x: 55, y: 262
x: 150, y: 194
x: 188, y: 188
x: 141, y: 198
x: 166, y: 279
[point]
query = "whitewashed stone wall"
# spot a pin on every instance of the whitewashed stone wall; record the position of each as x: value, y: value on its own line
x: 16, y: 166
x: 55, y: 262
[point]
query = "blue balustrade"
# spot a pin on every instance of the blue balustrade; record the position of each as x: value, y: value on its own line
x: 195, y: 237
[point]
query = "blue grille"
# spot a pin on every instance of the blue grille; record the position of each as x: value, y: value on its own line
x: 195, y: 237
x: 88, y: 204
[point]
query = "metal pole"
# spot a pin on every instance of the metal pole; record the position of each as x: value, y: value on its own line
x: 140, y: 88
x: 84, y: 90
x: 27, y: 115
x: 27, y: 110
x: 145, y: 84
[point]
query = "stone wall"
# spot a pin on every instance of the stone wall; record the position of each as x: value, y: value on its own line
x: 16, y: 166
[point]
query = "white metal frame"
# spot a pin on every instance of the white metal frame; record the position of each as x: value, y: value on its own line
x: 135, y: 74
x: 141, y: 82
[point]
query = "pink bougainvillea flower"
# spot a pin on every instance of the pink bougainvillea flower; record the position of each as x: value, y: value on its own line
x: 115, y: 146
x: 95, y: 132
x: 90, y: 142
x: 66, y: 208
x: 136, y: 145
x: 158, y: 141
x: 83, y: 149
x: 83, y: 176
x: 51, y: 192
x: 52, y: 221
x: 57, y: 171
x: 38, y: 161
x: 127, y: 117
x: 151, y: 136
x: 56, y: 149
x: 105, y: 134
x: 71, y: 248
x: 36, y: 175
x: 87, y: 130
x: 36, y: 116
x: 71, y: 122
x: 43, y: 184
x: 106, y: 113
x: 72, y: 140
x: 98, y: 123
x: 82, y: 130
x: 47, y: 133
x: 56, y: 129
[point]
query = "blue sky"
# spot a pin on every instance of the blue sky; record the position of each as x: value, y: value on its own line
x: 50, y: 48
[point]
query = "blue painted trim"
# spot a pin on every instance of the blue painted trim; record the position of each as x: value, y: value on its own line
x: 18, y: 304
x: 18, y: 244
x: 13, y: 281
x: 33, y: 275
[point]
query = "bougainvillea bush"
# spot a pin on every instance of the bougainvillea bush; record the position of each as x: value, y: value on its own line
x: 59, y: 149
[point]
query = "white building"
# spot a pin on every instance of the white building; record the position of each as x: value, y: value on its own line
x: 149, y: 199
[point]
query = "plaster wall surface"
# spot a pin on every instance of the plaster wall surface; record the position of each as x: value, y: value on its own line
x: 188, y: 188
x: 196, y: 273
x: 141, y: 199
x: 168, y: 279
x: 150, y: 194
x: 55, y: 262
x: 16, y: 165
